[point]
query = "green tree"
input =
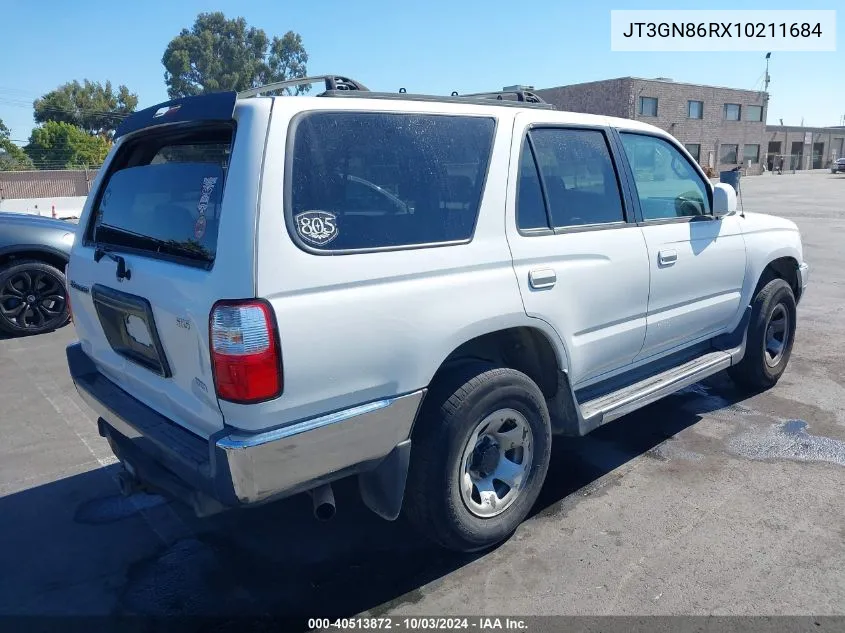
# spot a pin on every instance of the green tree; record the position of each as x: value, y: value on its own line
x: 96, y: 108
x: 12, y: 157
x: 60, y: 145
x: 217, y: 54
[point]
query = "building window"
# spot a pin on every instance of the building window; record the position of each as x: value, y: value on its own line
x: 732, y: 111
x: 648, y: 106
x: 754, y: 113
x: 695, y: 109
x: 694, y: 150
x: 751, y: 153
x: 728, y: 155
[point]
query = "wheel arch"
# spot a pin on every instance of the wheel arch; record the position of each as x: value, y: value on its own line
x: 781, y: 267
x: 39, y: 252
x: 532, y: 348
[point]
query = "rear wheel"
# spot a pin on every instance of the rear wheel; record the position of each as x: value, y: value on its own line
x: 33, y: 298
x: 771, y: 333
x: 479, y: 457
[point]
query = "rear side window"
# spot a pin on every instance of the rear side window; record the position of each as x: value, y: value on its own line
x: 163, y: 194
x: 361, y: 180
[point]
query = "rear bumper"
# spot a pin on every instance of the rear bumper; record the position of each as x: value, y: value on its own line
x: 232, y: 467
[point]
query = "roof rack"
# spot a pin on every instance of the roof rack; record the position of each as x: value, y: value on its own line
x: 339, y: 86
x: 453, y: 98
x: 332, y: 83
x: 524, y: 96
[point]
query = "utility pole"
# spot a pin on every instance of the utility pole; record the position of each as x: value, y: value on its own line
x: 766, y: 87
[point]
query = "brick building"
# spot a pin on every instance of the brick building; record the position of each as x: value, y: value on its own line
x: 804, y: 147
x: 720, y: 127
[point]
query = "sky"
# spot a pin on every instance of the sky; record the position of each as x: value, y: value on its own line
x: 429, y: 46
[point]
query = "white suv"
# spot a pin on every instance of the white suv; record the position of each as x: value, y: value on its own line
x: 273, y: 293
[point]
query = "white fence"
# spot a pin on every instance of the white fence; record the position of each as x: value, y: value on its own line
x: 63, y: 207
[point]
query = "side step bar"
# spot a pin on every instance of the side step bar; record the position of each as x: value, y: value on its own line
x: 618, y: 403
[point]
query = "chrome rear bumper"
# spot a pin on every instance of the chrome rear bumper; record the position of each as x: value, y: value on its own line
x: 236, y: 468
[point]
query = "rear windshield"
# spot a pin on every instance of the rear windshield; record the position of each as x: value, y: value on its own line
x: 164, y: 198
x: 363, y: 180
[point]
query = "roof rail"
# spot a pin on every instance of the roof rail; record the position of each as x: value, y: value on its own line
x: 453, y: 98
x: 525, y: 96
x: 332, y: 82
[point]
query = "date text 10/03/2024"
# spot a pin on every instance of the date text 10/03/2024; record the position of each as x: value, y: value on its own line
x: 419, y: 624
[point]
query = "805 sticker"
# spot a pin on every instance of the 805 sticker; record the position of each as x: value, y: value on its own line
x: 316, y: 227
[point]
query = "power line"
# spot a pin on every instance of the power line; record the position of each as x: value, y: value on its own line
x: 21, y: 104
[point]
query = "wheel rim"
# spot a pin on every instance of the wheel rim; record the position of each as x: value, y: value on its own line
x: 777, y: 335
x: 33, y: 300
x: 496, y: 462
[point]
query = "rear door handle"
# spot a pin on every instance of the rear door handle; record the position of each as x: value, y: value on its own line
x: 667, y: 258
x: 542, y: 278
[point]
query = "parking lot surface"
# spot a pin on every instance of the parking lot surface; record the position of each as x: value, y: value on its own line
x: 709, y: 502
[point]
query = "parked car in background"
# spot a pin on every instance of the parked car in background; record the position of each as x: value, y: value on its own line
x: 34, y: 251
x: 838, y: 166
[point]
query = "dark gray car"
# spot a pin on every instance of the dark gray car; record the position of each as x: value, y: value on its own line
x: 33, y: 254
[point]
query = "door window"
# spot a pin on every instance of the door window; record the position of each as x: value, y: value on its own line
x: 577, y: 172
x: 667, y: 184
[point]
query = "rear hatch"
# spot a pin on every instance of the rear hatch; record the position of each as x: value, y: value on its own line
x: 150, y: 258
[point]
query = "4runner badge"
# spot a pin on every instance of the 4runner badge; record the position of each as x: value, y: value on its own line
x: 316, y: 227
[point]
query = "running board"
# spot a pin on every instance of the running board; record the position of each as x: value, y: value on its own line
x: 614, y: 405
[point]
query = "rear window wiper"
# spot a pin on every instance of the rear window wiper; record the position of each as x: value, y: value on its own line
x: 187, y: 248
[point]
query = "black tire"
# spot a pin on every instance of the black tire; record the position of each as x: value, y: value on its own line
x: 755, y: 371
x: 45, y: 285
x: 452, y: 410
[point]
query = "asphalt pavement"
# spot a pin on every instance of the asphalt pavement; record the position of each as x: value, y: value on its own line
x: 708, y: 502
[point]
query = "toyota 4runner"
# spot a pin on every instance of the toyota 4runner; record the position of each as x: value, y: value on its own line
x: 272, y: 293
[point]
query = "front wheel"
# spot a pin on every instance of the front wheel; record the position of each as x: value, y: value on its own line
x: 771, y: 333
x: 479, y: 457
x: 33, y: 298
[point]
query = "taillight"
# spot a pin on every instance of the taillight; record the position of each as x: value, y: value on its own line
x: 245, y: 351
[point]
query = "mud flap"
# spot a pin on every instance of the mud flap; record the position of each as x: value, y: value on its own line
x: 564, y: 410
x: 383, y: 488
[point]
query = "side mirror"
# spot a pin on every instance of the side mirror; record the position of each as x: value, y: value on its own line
x: 724, y: 199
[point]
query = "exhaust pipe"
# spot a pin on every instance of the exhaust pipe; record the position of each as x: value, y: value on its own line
x: 323, y: 499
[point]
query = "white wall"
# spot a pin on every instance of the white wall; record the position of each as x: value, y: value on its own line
x: 65, y: 207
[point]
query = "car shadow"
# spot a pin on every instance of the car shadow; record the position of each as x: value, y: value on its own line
x: 4, y: 336
x: 98, y: 554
